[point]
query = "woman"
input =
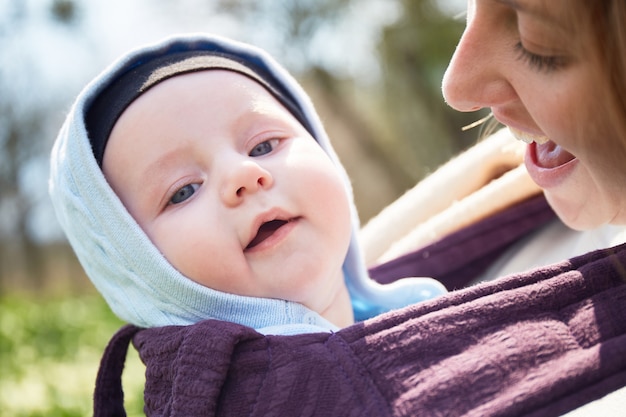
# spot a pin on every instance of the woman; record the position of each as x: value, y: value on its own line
x: 554, y: 73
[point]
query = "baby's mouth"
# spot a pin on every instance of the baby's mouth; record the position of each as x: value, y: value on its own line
x: 266, y: 230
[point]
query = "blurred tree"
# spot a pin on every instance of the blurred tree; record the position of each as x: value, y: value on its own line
x: 415, y: 52
x: 65, y: 11
x: 296, y: 21
x: 23, y: 119
x: 15, y: 202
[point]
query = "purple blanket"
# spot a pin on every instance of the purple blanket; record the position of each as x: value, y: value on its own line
x: 535, y: 344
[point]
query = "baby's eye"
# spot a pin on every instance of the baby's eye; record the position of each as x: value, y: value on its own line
x: 184, y: 193
x: 264, y: 147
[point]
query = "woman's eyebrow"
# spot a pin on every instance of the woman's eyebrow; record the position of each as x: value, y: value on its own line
x: 539, y: 13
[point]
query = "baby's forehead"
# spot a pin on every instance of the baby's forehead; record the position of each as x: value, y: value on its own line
x: 131, y: 82
x: 208, y: 99
x: 205, y: 103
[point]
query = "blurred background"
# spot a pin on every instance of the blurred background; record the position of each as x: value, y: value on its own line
x: 372, y: 67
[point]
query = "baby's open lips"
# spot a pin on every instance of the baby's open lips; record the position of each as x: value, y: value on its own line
x: 266, y: 230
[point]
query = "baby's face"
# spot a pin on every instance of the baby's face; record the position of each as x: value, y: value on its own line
x: 232, y: 189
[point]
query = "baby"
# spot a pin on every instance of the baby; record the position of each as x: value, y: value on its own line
x: 194, y: 181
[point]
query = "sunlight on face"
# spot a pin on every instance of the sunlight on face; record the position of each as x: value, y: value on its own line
x: 536, y: 71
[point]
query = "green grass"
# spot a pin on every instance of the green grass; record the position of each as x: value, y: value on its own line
x: 49, y: 355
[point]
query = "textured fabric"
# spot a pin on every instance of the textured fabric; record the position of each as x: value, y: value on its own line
x: 484, y: 179
x: 552, y: 243
x: 535, y: 344
x: 540, y: 344
x: 109, y: 398
x: 141, y: 287
x: 460, y: 257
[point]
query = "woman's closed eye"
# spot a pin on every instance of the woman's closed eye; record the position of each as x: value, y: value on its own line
x: 540, y: 62
x: 183, y: 193
x: 264, y: 147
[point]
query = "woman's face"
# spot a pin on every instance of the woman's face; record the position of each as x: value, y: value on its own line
x: 539, y: 75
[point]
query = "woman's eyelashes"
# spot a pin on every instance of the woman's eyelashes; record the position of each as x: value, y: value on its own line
x: 539, y: 62
x: 183, y: 193
x: 264, y: 147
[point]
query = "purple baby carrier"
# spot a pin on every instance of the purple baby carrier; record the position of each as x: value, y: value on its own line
x: 539, y: 343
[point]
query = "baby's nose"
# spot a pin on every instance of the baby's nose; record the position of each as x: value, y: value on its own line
x: 242, y: 179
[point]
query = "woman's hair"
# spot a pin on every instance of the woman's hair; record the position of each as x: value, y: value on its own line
x: 607, y: 20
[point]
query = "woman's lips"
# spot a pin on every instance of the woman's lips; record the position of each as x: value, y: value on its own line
x: 549, y: 164
x: 550, y: 155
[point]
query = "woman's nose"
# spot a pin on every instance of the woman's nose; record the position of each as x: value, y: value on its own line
x: 477, y: 74
x: 241, y: 179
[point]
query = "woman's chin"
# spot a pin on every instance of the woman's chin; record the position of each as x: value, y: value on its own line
x: 577, y: 211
